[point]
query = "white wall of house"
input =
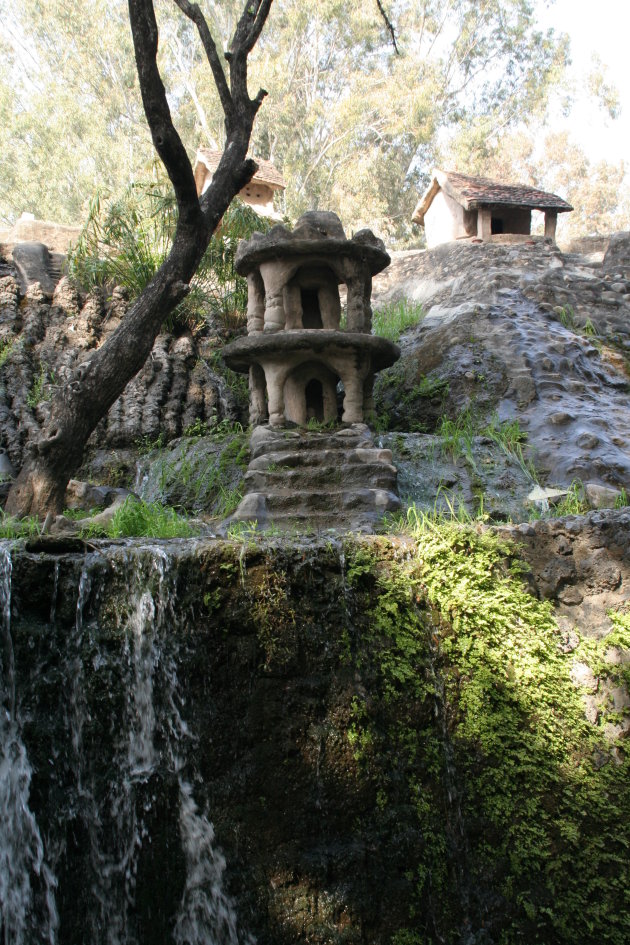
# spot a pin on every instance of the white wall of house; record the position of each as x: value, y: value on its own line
x: 446, y: 220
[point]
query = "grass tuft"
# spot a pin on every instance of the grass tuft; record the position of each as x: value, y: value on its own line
x: 394, y: 319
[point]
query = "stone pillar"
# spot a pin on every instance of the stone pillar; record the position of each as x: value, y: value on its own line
x: 368, y: 396
x: 367, y: 303
x: 353, y: 277
x: 255, y: 303
x: 484, y: 223
x: 329, y: 306
x: 276, y: 377
x: 353, y: 400
x: 292, y: 307
x: 551, y: 218
x: 275, y: 275
x: 257, y: 403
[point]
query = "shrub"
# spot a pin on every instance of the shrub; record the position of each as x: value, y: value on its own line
x: 126, y: 240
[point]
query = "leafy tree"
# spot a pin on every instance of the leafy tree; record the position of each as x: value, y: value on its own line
x: 95, y: 385
x: 125, y: 241
x: 356, y: 127
x: 71, y: 119
x: 354, y: 123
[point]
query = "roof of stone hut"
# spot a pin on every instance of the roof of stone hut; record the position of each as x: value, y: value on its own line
x: 267, y: 172
x: 474, y: 192
x: 316, y: 233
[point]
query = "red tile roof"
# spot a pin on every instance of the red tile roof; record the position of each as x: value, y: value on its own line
x: 267, y: 173
x: 474, y: 192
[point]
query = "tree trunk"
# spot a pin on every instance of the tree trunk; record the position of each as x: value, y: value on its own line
x: 40, y: 487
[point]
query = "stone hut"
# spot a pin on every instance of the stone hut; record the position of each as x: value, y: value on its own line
x: 258, y: 194
x: 296, y: 351
x: 457, y: 206
x: 304, y: 366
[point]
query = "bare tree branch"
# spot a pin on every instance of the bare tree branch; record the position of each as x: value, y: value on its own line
x: 93, y: 388
x: 389, y: 26
x: 166, y: 140
x: 193, y: 12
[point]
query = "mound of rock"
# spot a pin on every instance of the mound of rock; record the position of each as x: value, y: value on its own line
x: 524, y: 330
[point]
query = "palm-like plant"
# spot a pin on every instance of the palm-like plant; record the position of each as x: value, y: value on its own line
x: 125, y: 241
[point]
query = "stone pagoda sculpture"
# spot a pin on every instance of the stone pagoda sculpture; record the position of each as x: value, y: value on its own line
x: 310, y: 380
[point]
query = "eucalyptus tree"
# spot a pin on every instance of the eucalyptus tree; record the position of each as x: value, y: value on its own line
x: 71, y: 119
x: 96, y: 384
x: 357, y: 124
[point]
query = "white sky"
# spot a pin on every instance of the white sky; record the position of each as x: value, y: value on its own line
x: 599, y: 28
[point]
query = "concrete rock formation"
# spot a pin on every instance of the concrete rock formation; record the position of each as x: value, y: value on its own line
x: 299, y: 358
x: 529, y: 332
x: 43, y: 340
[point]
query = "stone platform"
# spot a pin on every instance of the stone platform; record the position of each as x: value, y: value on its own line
x: 332, y: 478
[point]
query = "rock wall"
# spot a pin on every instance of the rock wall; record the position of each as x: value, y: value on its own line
x: 301, y: 742
x: 44, y: 339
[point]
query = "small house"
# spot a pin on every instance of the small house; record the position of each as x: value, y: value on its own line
x: 457, y: 206
x: 258, y: 194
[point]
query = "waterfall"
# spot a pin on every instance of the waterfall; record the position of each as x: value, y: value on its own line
x: 27, y: 885
x: 113, y: 794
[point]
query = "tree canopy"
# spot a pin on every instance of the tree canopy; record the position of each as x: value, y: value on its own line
x: 355, y: 122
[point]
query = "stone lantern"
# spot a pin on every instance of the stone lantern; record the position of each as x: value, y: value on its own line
x: 302, y: 365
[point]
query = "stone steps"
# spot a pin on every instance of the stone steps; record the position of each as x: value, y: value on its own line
x: 332, y: 479
x: 290, y: 460
x: 293, y: 442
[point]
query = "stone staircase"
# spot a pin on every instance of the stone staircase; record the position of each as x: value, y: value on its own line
x: 328, y: 479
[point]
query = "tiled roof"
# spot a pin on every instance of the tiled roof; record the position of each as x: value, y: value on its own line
x: 474, y: 192
x: 267, y: 173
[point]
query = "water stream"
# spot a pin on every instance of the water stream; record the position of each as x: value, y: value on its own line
x: 28, y: 910
x: 108, y: 799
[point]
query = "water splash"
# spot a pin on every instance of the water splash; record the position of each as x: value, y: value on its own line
x: 152, y: 741
x: 207, y: 915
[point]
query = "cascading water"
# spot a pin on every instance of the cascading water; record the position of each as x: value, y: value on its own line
x: 27, y: 885
x: 109, y: 770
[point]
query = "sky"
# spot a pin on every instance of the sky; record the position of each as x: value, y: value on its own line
x: 602, y: 29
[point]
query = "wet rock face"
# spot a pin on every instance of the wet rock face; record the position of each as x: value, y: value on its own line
x: 47, y: 341
x: 525, y: 330
x: 159, y: 688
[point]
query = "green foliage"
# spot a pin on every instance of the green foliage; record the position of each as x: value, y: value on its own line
x: 39, y: 389
x: 11, y: 527
x: 202, y: 476
x: 198, y: 428
x: 622, y: 500
x: 125, y: 241
x: 75, y: 515
x: 541, y: 791
x: 458, y: 435
x: 566, y: 316
x: 395, y: 319
x: 574, y: 503
x: 6, y: 347
x: 138, y: 519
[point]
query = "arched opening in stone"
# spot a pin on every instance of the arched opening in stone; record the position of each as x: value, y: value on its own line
x: 496, y: 225
x: 310, y: 393
x: 311, y: 298
x: 314, y: 396
x: 311, y: 312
